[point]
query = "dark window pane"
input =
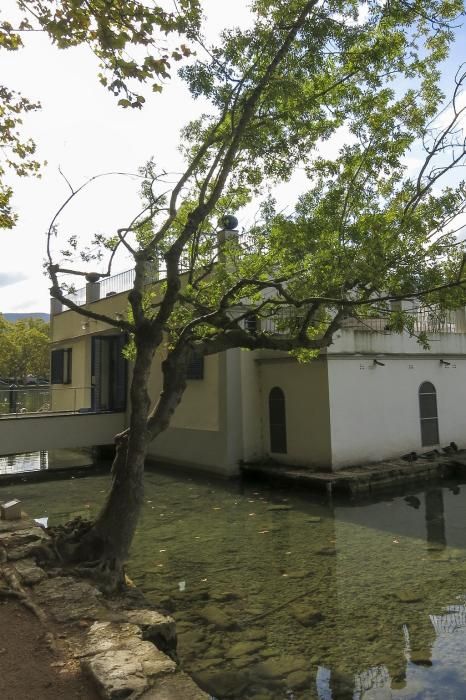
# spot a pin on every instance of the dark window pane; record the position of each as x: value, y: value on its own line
x: 428, y: 405
x: 56, y: 369
x: 427, y: 388
x: 428, y: 414
x: 429, y: 431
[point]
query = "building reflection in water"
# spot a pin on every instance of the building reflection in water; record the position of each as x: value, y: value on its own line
x: 435, y: 518
x: 417, y: 639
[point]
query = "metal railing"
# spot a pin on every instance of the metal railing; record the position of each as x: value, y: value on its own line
x: 78, y: 297
x: 122, y: 282
x: 288, y: 321
x: 27, y: 401
x: 424, y: 322
x: 117, y: 283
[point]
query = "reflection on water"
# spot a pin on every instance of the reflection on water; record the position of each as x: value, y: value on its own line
x: 24, y: 462
x: 52, y: 459
x: 277, y: 597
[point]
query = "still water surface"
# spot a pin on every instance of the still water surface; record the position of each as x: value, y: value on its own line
x: 277, y: 597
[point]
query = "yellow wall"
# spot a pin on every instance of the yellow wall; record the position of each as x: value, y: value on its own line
x: 72, y: 397
x: 200, y: 406
x: 307, y: 409
x: 69, y: 324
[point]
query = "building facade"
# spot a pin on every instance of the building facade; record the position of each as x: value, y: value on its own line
x: 371, y: 396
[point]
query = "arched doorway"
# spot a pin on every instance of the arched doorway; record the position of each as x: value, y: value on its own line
x: 428, y: 414
x: 277, y: 420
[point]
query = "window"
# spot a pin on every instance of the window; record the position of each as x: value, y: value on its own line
x: 195, y: 367
x: 277, y: 421
x: 60, y: 371
x: 428, y: 414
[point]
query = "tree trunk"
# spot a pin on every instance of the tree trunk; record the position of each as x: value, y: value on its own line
x: 101, y: 549
x: 108, y: 541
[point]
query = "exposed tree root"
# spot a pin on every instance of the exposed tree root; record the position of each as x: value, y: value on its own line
x: 13, y: 589
x: 75, y: 548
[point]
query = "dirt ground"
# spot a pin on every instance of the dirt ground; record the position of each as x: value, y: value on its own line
x: 29, y: 668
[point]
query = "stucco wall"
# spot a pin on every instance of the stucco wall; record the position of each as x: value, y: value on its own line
x: 200, y: 434
x: 374, y: 410
x: 307, y: 410
x: 69, y: 324
x: 199, y: 407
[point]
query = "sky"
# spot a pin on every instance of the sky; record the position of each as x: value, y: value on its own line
x: 81, y: 131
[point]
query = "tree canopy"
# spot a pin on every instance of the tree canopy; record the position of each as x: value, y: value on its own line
x: 24, y: 348
x: 112, y: 31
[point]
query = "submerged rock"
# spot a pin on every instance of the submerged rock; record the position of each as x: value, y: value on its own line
x: 279, y: 507
x: 223, y: 683
x: 306, y: 615
x: 280, y: 666
x: 244, y: 661
x: 174, y: 687
x: 409, y: 596
x: 254, y: 633
x: 214, y: 615
x: 299, y: 679
x: 191, y: 637
x: 243, y: 649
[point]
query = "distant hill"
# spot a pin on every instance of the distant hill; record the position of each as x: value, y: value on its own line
x: 22, y: 316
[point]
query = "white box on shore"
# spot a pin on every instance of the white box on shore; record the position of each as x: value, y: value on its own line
x: 11, y: 510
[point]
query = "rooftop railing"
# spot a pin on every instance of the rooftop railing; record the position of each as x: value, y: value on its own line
x: 109, y: 286
x: 424, y: 322
x: 289, y: 320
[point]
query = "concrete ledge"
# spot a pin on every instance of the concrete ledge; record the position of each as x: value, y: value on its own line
x: 364, y: 479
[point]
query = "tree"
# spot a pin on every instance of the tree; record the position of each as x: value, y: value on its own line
x: 24, y: 348
x: 365, y: 234
x: 110, y: 30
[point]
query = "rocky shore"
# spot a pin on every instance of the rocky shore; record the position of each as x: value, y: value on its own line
x: 124, y: 646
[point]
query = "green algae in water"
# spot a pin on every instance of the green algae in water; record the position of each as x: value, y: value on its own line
x: 277, y: 597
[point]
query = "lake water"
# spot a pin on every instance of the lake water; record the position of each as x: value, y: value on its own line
x: 280, y: 597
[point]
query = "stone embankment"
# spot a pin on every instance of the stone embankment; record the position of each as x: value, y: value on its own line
x: 128, y: 649
x: 368, y: 478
